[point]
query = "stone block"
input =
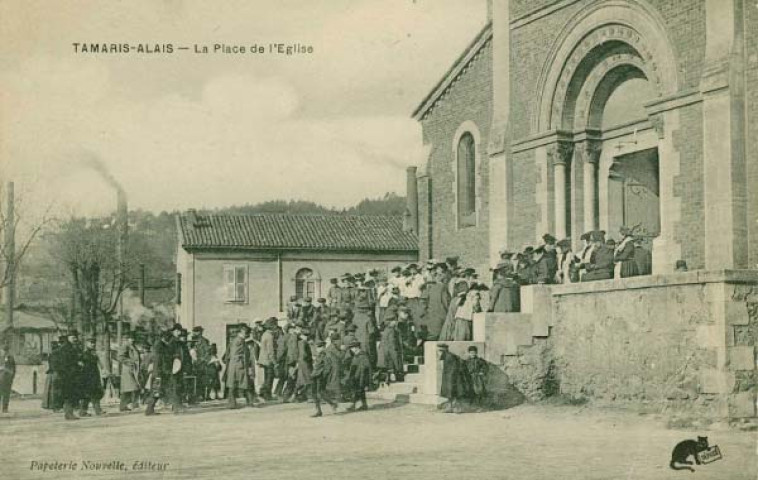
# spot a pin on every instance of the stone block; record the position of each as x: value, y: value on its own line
x: 742, y: 405
x: 742, y: 358
x: 708, y: 336
x: 716, y: 381
x: 736, y: 313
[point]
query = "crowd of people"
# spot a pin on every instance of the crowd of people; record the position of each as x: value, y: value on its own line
x: 358, y: 337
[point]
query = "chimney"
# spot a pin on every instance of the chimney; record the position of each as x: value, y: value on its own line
x: 410, y: 219
x: 192, y: 218
x: 141, y: 284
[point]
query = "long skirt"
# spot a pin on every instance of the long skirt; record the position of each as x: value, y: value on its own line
x: 51, y: 398
x: 448, y: 328
x: 463, y: 330
x: 414, y: 304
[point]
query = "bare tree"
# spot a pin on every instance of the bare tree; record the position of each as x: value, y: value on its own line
x: 87, y: 249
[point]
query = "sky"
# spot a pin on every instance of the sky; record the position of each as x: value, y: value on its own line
x: 186, y: 130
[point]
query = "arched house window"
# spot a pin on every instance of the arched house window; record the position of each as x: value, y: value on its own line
x: 465, y: 174
x: 307, y: 284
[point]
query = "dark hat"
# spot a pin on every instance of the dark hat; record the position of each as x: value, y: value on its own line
x: 333, y: 280
x: 258, y: 320
x: 373, y: 272
x: 473, y: 348
x: 501, y: 266
x: 293, y: 298
x: 548, y: 239
x: 176, y: 326
x: 529, y: 250
x: 480, y: 287
x: 452, y: 260
x: 320, y: 343
x: 197, y: 329
x: 443, y: 346
x: 307, y: 299
x: 321, y: 300
x: 597, y: 236
x: 353, y: 344
x: 397, y: 268
x: 540, y: 249
x: 565, y: 243
x: 369, y: 283
x: 610, y: 241
x: 469, y: 271
x: 586, y: 236
x: 412, y: 266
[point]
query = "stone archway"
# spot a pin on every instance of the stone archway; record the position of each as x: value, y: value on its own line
x: 601, y: 48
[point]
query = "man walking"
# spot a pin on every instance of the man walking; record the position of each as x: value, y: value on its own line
x: 360, y: 376
x: 320, y: 377
x: 7, y: 374
x: 237, y: 366
x: 267, y: 358
x: 129, y: 358
x: 91, y: 385
x: 70, y: 367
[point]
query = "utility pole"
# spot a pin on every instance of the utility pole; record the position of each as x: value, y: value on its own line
x: 10, y: 255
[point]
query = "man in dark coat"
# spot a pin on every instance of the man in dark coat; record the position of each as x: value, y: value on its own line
x: 7, y: 374
x: 289, y: 359
x: 161, y: 362
x: 306, y: 314
x: 320, y: 376
x: 320, y: 319
x: 203, y: 352
x: 642, y: 258
x: 455, y: 385
x: 91, y: 386
x: 391, y: 351
x: 70, y: 368
x: 437, y: 304
x: 360, y: 376
x: 363, y: 319
x: 477, y: 369
x: 176, y: 378
x: 304, y: 366
x: 546, y: 262
x: 601, y: 260
x: 267, y: 357
x: 238, y: 366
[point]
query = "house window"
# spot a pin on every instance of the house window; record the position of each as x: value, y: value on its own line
x: 305, y: 284
x: 235, y: 281
x: 466, y: 164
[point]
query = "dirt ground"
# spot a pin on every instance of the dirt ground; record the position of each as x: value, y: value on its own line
x: 389, y: 441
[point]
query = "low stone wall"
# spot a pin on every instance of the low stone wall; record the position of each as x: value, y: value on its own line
x: 678, y: 343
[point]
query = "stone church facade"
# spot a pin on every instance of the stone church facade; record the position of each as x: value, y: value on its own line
x: 566, y: 116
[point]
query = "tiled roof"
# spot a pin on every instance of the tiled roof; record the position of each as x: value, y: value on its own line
x: 295, y: 232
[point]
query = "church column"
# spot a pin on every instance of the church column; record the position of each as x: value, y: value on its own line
x: 590, y: 158
x: 559, y: 156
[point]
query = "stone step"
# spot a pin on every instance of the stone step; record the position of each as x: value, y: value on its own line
x: 387, y: 396
x: 425, y: 399
x: 417, y: 378
x: 403, y: 387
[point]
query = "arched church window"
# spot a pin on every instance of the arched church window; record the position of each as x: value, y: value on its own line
x: 306, y: 284
x: 466, y: 165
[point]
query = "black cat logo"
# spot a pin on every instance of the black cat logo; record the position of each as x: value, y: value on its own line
x: 697, y: 449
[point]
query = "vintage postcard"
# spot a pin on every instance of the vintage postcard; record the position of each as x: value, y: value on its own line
x: 423, y: 239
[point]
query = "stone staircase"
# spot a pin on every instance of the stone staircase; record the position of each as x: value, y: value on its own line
x: 410, y: 389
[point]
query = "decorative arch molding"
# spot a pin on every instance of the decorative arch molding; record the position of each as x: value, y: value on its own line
x: 468, y: 126
x: 598, y: 34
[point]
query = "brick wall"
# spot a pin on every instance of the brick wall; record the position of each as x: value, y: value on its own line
x: 751, y: 151
x: 468, y: 99
x: 525, y: 179
x: 532, y: 43
x: 688, y: 186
